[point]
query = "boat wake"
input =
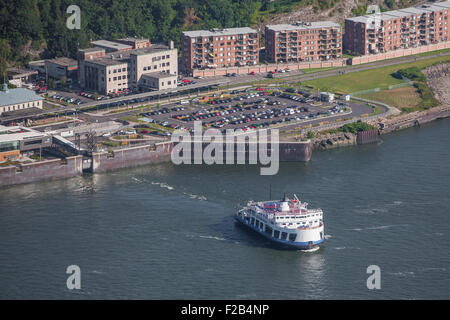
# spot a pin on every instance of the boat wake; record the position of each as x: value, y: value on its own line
x: 212, y: 237
x: 377, y: 227
x: 310, y: 250
x: 97, y: 272
x: 346, y: 248
x: 163, y: 185
x: 403, y: 273
x: 194, y: 196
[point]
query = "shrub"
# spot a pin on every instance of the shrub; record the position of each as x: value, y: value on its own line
x: 356, y: 127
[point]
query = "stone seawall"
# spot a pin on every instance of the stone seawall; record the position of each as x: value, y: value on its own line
x: 131, y: 157
x: 122, y: 158
x: 370, y: 136
x: 295, y: 151
x: 160, y: 152
x: 288, y: 151
x: 414, y: 119
x: 42, y: 170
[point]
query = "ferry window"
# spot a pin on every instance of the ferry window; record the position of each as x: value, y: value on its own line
x: 283, y: 236
x: 292, y: 236
x: 276, y: 234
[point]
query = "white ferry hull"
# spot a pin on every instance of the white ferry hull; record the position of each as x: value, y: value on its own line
x: 305, y: 239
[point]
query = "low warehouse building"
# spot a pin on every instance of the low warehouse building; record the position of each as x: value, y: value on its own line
x: 16, y: 140
x: 18, y: 99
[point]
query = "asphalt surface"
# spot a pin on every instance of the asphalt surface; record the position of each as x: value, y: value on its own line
x: 356, y: 110
x: 293, y: 76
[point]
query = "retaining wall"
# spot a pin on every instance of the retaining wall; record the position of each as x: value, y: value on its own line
x: 131, y: 157
x: 369, y: 136
x: 42, y: 170
x: 398, y: 53
x: 268, y: 67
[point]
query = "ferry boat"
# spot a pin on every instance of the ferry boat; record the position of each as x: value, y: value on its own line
x: 288, y: 222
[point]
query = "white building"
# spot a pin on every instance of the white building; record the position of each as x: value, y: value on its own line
x: 18, y: 99
x: 326, y: 96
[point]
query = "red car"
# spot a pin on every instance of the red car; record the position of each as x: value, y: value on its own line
x: 252, y: 73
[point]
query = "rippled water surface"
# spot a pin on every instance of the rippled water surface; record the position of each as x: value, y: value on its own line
x: 164, y: 231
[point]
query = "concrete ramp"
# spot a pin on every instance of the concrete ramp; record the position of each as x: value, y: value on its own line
x: 67, y: 145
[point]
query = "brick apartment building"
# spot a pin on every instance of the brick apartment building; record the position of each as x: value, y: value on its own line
x: 399, y: 29
x: 303, y: 41
x: 152, y: 67
x: 219, y: 48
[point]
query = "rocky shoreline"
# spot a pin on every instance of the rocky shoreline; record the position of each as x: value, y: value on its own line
x: 335, y: 140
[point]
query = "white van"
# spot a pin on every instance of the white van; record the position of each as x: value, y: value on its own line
x: 184, y: 102
x: 290, y: 111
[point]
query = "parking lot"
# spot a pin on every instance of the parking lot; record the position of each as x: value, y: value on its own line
x: 251, y: 109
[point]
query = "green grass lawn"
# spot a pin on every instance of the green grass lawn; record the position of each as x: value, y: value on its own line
x: 400, y: 98
x: 376, y: 78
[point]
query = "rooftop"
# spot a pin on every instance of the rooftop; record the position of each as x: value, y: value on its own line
x: 151, y: 49
x: 303, y: 26
x: 111, y: 44
x: 18, y: 95
x: 14, y: 72
x: 158, y: 75
x: 130, y: 39
x: 388, y: 15
x: 116, y: 58
x: 63, y: 61
x: 94, y: 49
x: 15, y: 133
x: 219, y: 32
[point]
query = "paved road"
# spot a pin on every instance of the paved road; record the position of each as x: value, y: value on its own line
x: 291, y: 77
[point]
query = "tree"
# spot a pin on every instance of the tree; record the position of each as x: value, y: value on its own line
x: 51, y: 83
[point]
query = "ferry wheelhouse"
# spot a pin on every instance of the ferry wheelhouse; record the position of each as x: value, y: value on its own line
x: 288, y: 222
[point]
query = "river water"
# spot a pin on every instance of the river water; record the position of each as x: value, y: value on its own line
x: 167, y: 232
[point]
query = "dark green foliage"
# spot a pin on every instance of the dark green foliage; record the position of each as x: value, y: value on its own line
x: 360, y: 10
x: 412, y: 73
x: 27, y: 26
x: 420, y: 83
x: 32, y: 24
x: 389, y: 3
x: 356, y: 126
x: 427, y: 95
